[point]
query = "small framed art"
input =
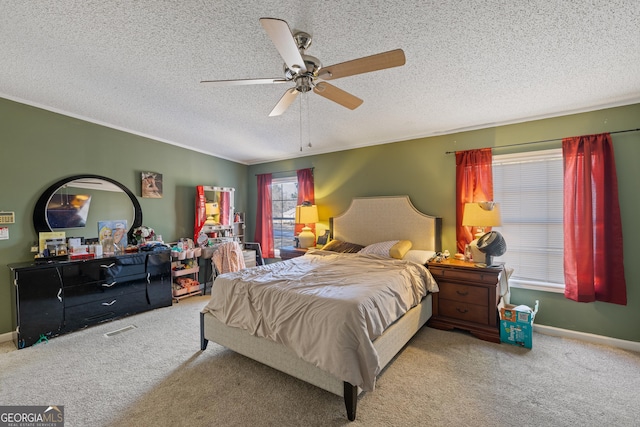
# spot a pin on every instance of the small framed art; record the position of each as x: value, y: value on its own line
x: 322, y: 240
x: 151, y: 185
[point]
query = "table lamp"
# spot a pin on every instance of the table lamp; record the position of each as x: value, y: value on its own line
x: 306, y: 214
x: 480, y: 215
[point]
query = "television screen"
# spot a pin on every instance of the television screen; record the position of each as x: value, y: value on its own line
x: 68, y: 210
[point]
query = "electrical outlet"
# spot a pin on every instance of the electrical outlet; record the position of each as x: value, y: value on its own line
x: 34, y: 249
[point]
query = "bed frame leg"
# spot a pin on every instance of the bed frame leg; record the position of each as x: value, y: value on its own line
x: 350, y: 400
x: 203, y: 341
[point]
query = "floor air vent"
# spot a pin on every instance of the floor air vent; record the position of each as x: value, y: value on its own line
x: 119, y: 331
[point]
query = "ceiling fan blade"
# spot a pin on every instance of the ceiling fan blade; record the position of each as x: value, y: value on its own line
x: 243, y: 82
x: 335, y: 94
x: 380, y: 61
x: 286, y: 100
x: 280, y: 34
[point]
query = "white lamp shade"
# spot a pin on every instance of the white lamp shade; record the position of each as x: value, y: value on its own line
x: 476, y: 216
x: 306, y: 214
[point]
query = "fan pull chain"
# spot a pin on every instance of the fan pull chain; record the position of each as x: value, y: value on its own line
x: 308, y: 122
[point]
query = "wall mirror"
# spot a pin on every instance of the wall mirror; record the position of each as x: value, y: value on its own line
x: 80, y: 205
x: 219, y: 205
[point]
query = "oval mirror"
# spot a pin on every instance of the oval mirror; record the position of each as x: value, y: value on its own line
x: 84, y: 205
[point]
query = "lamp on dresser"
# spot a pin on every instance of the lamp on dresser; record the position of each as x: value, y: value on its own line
x: 306, y: 214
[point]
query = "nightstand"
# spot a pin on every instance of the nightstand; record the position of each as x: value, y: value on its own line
x: 289, y: 252
x: 468, y: 298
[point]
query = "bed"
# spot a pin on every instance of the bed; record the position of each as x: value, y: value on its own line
x: 367, y: 221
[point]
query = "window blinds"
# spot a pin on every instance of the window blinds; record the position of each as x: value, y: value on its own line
x: 529, y: 188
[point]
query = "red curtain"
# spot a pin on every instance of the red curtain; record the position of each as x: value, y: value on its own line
x: 474, y: 183
x: 264, y: 217
x: 593, y: 258
x: 306, y: 193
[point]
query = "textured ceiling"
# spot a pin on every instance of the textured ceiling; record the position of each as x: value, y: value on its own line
x: 137, y: 66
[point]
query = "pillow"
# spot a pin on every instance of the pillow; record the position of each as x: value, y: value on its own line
x: 418, y: 256
x: 342, y: 247
x: 399, y: 249
x: 381, y: 248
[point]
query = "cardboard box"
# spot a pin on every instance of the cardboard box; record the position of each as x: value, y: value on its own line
x: 78, y: 250
x: 516, y: 324
x: 519, y: 314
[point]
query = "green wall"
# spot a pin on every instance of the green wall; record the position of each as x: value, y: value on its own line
x: 40, y: 147
x: 421, y: 169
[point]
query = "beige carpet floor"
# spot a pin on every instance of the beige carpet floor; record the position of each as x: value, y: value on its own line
x: 155, y: 375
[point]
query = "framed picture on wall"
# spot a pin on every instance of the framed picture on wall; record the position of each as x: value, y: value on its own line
x: 151, y: 185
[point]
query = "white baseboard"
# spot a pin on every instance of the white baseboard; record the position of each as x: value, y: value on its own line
x: 6, y: 337
x: 583, y: 336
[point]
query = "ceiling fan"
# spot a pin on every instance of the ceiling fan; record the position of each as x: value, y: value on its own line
x: 307, y: 73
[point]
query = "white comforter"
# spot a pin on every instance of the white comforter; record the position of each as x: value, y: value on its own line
x: 326, y: 307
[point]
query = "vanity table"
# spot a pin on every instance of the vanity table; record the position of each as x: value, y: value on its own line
x: 216, y: 216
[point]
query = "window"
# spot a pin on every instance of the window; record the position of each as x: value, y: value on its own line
x: 284, y: 198
x: 529, y: 188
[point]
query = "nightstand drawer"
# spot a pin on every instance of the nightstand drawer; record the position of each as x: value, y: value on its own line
x: 467, y: 275
x: 464, y: 293
x: 464, y: 311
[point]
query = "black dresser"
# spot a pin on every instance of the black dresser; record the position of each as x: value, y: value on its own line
x: 60, y: 297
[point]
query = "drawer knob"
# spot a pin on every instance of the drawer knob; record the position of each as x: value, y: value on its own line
x: 464, y: 294
x: 108, y: 285
x: 462, y: 310
x: 109, y: 303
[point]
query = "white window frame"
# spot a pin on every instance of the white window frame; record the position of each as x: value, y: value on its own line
x: 534, y: 156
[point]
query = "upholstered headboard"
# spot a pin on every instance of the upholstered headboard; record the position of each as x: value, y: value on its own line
x: 377, y: 219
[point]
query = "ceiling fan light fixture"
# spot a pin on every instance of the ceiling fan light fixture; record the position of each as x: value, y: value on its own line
x: 308, y: 72
x: 303, y: 40
x: 304, y: 84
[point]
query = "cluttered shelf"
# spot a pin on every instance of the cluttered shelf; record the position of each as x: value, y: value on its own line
x: 185, y: 270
